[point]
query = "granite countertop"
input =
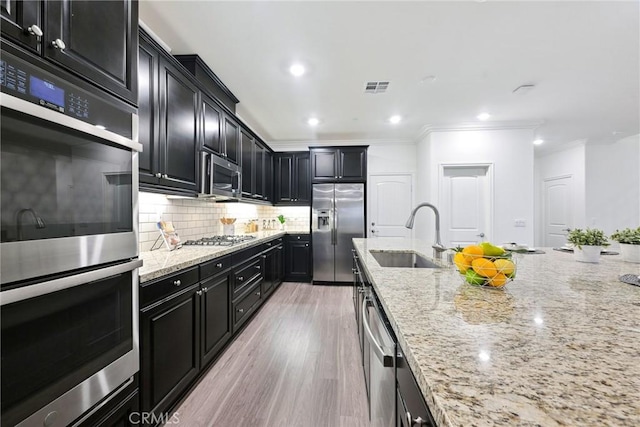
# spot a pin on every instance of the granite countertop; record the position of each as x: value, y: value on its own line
x: 161, y: 262
x: 558, y: 346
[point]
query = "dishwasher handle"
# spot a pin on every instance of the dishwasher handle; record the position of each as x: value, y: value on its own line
x: 387, y: 359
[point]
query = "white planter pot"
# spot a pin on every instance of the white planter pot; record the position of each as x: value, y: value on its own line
x: 587, y: 253
x: 630, y: 253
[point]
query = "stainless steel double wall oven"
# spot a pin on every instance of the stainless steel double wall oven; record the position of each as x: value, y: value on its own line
x: 69, y: 243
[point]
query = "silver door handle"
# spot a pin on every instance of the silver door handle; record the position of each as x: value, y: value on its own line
x: 158, y: 175
x: 34, y: 30
x: 387, y: 359
x: 58, y: 44
x: 177, y: 282
x: 415, y: 421
x: 219, y: 265
x: 480, y: 235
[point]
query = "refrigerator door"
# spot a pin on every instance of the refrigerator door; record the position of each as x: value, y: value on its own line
x: 322, y: 229
x: 349, y: 223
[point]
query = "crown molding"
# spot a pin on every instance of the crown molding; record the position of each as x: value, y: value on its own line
x: 341, y: 142
x: 555, y: 148
x: 475, y: 126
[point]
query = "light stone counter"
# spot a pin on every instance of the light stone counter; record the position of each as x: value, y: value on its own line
x: 161, y: 262
x: 558, y: 346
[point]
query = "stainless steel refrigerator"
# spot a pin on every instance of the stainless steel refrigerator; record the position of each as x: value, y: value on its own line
x: 337, y: 216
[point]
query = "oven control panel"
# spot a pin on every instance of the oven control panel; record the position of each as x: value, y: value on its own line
x: 24, y: 80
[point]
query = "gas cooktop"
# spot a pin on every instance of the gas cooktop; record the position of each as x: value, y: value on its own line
x: 218, y: 241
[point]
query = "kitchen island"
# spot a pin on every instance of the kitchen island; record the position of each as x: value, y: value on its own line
x: 560, y: 345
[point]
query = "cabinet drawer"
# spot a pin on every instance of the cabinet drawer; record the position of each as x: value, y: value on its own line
x: 246, y: 274
x: 247, y: 304
x: 214, y: 267
x: 156, y: 290
x: 298, y: 237
x: 272, y: 244
x: 245, y: 254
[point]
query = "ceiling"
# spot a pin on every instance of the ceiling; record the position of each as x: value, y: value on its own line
x: 582, y: 57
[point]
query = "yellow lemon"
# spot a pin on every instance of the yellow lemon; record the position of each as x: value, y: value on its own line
x: 461, y: 262
x: 472, y: 252
x: 505, y: 266
x: 498, y: 280
x: 484, y: 267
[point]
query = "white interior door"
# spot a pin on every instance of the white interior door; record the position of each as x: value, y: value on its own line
x: 558, y: 210
x: 389, y: 205
x: 467, y: 204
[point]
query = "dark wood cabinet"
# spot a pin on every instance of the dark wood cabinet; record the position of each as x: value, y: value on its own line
x: 273, y: 266
x: 169, y: 120
x: 255, y: 168
x: 248, y: 143
x: 22, y: 22
x: 210, y: 127
x: 97, y: 40
x: 170, y: 344
x: 344, y: 164
x: 259, y: 179
x: 231, y: 135
x: 292, y: 178
x: 297, y: 258
x: 215, y: 316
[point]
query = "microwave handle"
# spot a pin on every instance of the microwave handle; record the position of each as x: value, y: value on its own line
x: 32, y: 291
x: 44, y: 113
x: 205, y: 173
x: 239, y: 174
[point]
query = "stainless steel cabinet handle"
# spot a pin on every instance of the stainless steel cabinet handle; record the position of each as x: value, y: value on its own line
x: 279, y: 248
x: 58, y: 44
x: 264, y: 257
x: 415, y: 421
x: 258, y: 293
x: 387, y: 360
x: 205, y: 290
x: 336, y: 176
x: 177, y: 282
x: 34, y: 30
x: 268, y: 244
x: 158, y: 175
x: 199, y: 293
x: 240, y: 278
x: 165, y: 176
x: 340, y: 176
x: 241, y: 310
x: 298, y: 237
x: 219, y: 265
x: 258, y: 267
x: 306, y: 245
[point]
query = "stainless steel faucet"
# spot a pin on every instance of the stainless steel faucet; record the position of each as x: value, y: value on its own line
x: 40, y: 224
x: 438, y: 248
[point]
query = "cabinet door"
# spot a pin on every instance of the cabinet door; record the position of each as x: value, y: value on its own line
x: 268, y: 176
x: 353, y: 164
x: 148, y: 116
x: 231, y: 131
x: 302, y: 179
x: 215, y: 317
x: 21, y: 22
x: 211, y: 119
x: 284, y: 178
x: 179, y: 133
x: 258, y: 171
x: 297, y: 264
x: 170, y: 337
x: 96, y: 39
x: 324, y: 164
x: 248, y: 145
x: 278, y: 263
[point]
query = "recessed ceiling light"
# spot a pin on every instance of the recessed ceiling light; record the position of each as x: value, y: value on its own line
x: 538, y: 141
x: 297, y: 70
x: 313, y: 121
x: 427, y: 79
x: 395, y: 119
x: 483, y: 116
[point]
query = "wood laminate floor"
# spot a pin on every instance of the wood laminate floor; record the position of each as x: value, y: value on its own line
x: 296, y: 364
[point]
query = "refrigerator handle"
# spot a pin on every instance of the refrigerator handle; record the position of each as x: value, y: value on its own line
x: 335, y: 224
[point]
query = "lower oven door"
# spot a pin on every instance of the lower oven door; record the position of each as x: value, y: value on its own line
x: 67, y: 344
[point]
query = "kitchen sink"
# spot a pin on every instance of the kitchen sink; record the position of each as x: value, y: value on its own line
x: 402, y: 260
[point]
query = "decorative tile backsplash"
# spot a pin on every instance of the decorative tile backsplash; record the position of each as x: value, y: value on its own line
x: 194, y: 218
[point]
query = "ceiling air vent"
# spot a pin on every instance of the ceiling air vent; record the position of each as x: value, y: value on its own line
x: 376, y: 87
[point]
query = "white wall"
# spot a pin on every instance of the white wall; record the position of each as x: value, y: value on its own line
x: 509, y: 151
x: 570, y: 161
x: 613, y: 184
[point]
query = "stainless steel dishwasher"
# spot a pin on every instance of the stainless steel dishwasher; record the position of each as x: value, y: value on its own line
x: 380, y: 364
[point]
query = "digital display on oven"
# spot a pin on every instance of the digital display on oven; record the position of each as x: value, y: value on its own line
x: 46, y: 91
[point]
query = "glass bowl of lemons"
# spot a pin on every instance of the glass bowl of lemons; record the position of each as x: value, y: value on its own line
x: 485, y: 265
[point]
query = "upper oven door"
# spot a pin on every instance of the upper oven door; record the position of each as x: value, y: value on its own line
x: 68, y: 170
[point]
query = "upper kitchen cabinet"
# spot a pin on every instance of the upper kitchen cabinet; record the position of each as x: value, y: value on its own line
x: 255, y: 167
x: 97, y: 40
x: 292, y: 178
x: 168, y: 122
x: 211, y: 119
x: 231, y: 138
x: 338, y: 164
x: 22, y: 22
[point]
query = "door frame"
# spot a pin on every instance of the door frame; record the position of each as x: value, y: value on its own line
x: 491, y: 186
x: 368, y: 199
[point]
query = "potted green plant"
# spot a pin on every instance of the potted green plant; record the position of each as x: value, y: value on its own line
x: 629, y: 240
x: 587, y: 244
x: 282, y: 220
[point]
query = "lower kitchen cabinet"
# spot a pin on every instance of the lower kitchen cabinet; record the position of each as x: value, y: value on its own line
x: 246, y: 304
x: 170, y: 345
x: 273, y: 267
x: 297, y: 258
x: 215, y: 322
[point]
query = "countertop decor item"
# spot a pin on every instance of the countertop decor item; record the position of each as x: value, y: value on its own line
x: 282, y: 220
x: 485, y: 265
x: 169, y: 235
x: 629, y: 240
x: 587, y: 244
